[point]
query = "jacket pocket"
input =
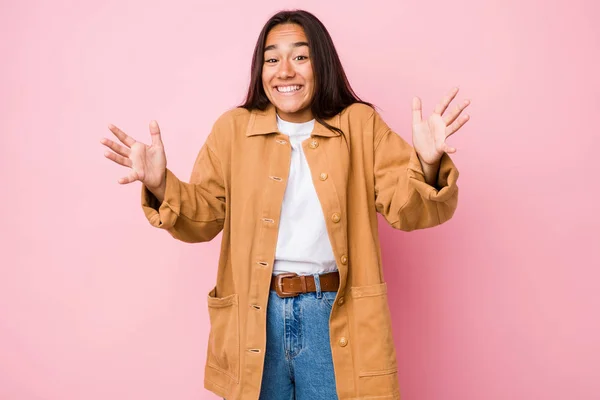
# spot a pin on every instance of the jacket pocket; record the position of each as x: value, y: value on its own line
x: 224, y: 339
x: 373, y: 330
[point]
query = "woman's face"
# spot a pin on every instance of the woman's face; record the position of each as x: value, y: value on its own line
x: 287, y: 74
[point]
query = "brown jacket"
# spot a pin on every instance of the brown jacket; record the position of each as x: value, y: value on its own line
x: 237, y: 186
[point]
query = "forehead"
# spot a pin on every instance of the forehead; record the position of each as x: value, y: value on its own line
x: 284, y: 35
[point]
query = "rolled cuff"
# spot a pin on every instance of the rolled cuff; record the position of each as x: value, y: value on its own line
x: 163, y: 215
x: 446, y: 181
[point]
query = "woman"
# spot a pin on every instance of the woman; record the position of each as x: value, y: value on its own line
x: 294, y: 178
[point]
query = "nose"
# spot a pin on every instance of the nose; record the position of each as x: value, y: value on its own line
x: 286, y: 70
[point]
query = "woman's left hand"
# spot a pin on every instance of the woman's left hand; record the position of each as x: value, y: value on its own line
x: 429, y: 135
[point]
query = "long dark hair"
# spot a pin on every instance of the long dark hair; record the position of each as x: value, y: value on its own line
x: 332, y: 89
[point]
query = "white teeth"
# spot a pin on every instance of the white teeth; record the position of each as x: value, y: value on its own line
x: 287, y: 89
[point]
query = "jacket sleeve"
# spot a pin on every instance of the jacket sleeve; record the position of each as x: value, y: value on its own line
x: 191, y: 212
x: 401, y: 194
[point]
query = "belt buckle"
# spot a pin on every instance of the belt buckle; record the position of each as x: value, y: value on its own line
x: 279, y: 284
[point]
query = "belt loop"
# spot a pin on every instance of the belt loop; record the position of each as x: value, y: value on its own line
x: 318, y: 286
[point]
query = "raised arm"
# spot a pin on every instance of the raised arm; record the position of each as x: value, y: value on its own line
x: 415, y: 187
x: 402, y: 195
x: 190, y: 212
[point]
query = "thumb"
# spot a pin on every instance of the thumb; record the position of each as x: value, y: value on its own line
x: 155, y: 133
x: 416, y: 110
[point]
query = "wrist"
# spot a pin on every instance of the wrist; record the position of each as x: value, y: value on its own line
x: 159, y: 191
x: 162, y: 184
x: 432, y: 164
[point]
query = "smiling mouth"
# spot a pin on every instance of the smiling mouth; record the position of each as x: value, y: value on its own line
x: 288, y: 89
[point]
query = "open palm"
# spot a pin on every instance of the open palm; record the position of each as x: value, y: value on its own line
x: 146, y: 163
x: 429, y: 135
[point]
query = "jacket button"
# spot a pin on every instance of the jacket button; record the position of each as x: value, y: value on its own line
x: 323, y: 176
x: 343, y: 341
x: 313, y: 144
x: 335, y: 217
x: 344, y: 259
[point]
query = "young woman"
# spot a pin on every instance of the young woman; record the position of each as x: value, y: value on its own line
x: 294, y: 178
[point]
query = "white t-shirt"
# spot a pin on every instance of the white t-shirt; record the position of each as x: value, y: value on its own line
x: 303, y: 245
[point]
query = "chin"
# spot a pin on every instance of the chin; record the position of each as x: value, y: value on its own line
x: 289, y: 109
x: 291, y: 106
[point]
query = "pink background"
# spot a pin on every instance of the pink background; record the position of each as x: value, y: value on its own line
x: 501, y: 302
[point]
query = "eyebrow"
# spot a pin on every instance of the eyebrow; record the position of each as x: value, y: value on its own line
x: 297, y: 44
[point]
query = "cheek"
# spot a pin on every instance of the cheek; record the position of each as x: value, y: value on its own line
x: 265, y: 80
x: 310, y: 80
x: 310, y: 83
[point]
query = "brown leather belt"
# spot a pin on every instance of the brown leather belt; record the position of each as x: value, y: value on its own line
x: 289, y: 284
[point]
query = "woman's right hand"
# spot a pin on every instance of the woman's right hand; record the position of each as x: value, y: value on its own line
x: 147, y: 163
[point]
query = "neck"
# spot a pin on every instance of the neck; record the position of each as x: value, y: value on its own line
x: 298, y: 118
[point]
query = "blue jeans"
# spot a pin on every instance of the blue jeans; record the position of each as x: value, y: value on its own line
x: 298, y: 363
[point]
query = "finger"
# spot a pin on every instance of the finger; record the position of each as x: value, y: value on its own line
x: 456, y: 112
x: 131, y: 177
x: 456, y: 125
x: 155, y: 133
x: 416, y: 110
x: 122, y: 136
x: 449, y: 149
x: 117, y: 148
x: 124, y: 161
x: 443, y: 104
x: 446, y: 148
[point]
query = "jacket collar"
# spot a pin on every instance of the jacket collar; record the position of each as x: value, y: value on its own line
x: 265, y: 122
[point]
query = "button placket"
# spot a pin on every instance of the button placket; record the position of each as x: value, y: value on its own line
x: 279, y: 154
x: 318, y: 160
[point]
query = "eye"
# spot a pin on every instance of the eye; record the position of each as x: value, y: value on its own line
x: 270, y: 60
x: 300, y: 58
